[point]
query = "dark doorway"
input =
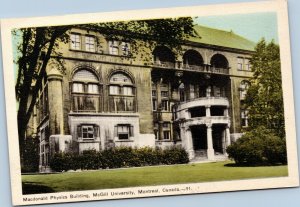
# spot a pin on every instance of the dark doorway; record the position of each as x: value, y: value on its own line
x: 217, y: 134
x: 199, y: 137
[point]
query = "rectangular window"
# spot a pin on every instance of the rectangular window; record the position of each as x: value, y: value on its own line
x: 244, y: 118
x: 240, y: 63
x: 114, y: 90
x: 165, y: 94
x: 75, y: 41
x: 217, y: 91
x: 165, y: 105
x: 247, y: 64
x: 124, y: 131
x: 154, y: 104
x: 166, y: 134
x: 125, y: 48
x: 87, y: 132
x: 90, y: 43
x: 93, y: 88
x: 78, y: 88
x: 113, y: 47
x: 127, y: 91
x: 154, y: 93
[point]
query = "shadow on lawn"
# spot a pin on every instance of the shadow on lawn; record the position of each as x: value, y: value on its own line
x: 35, y: 188
x: 251, y: 165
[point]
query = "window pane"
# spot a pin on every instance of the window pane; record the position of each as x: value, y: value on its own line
x: 93, y: 88
x: 90, y: 44
x: 75, y: 41
x: 114, y: 90
x: 77, y: 87
x: 127, y: 91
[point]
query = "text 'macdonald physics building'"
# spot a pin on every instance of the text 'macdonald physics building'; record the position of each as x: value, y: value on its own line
x: 104, y: 98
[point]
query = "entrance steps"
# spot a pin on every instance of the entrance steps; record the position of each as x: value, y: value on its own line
x: 201, y: 156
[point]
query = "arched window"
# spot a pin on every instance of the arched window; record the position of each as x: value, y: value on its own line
x: 121, y: 93
x: 243, y: 89
x: 85, y: 91
x: 219, y: 64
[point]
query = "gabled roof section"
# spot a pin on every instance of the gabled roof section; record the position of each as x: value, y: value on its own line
x: 210, y: 36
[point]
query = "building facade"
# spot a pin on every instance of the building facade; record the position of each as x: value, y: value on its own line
x: 104, y: 98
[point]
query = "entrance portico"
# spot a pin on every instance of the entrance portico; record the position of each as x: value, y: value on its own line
x: 205, y: 135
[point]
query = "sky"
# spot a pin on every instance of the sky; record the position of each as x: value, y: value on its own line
x: 252, y: 26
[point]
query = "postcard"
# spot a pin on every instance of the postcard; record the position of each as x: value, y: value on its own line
x: 149, y: 103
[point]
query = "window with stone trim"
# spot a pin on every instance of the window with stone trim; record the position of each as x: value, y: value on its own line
x: 90, y: 43
x: 124, y: 131
x: 75, y: 41
x: 85, y: 92
x: 87, y: 132
x: 243, y: 89
x: 121, y: 93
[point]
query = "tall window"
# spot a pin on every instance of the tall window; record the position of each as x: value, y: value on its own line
x: 125, y: 48
x: 166, y: 130
x: 121, y: 93
x: 240, y: 61
x: 154, y: 97
x: 243, y: 89
x: 75, y: 41
x: 247, y: 64
x: 113, y: 47
x: 244, y: 118
x: 90, y: 43
x: 85, y: 92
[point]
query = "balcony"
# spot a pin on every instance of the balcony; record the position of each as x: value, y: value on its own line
x: 119, y: 104
x: 196, y: 68
x: 85, y: 103
x: 211, y: 119
x: 164, y: 64
x: 204, y: 101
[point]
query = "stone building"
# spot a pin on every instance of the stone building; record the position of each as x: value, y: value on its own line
x: 106, y: 99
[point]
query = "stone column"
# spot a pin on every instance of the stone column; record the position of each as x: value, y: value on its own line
x: 207, y: 110
x: 210, y: 149
x: 224, y: 141
x: 226, y: 112
x: 227, y: 131
x: 189, y: 143
x: 55, y: 98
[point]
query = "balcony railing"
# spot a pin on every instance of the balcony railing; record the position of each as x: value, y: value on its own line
x: 85, y: 103
x: 119, y: 104
x: 204, y: 101
x: 198, y: 68
x: 164, y: 64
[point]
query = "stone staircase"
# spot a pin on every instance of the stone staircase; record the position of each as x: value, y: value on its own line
x: 201, y: 156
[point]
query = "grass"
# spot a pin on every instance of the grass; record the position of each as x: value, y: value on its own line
x: 145, y: 176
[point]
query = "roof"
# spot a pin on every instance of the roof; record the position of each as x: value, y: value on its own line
x: 211, y: 36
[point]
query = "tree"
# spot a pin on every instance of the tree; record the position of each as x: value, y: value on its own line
x: 39, y: 45
x: 264, y: 99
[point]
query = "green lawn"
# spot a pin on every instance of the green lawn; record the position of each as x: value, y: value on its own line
x: 145, y: 176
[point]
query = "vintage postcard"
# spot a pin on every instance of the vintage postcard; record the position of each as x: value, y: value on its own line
x: 149, y: 103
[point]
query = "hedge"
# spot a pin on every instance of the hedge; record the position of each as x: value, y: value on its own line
x: 258, y: 147
x: 118, y: 158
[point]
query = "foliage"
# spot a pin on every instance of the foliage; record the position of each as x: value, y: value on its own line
x: 118, y: 158
x: 31, y: 155
x: 264, y: 99
x: 258, y: 147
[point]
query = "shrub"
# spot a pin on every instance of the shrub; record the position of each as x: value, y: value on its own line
x: 117, y: 158
x: 258, y: 147
x: 30, y: 159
